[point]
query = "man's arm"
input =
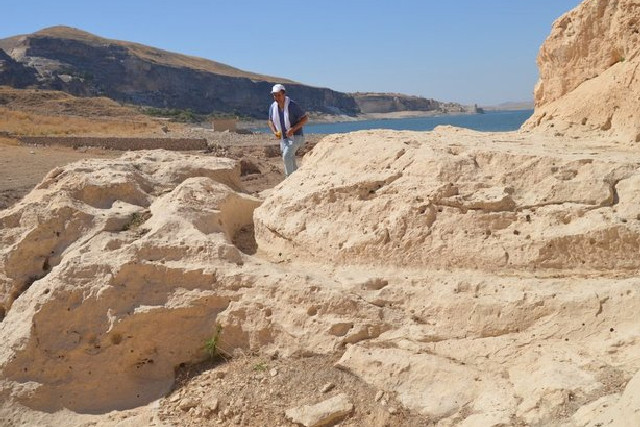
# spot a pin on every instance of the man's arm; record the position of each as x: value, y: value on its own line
x: 271, y: 126
x: 298, y: 125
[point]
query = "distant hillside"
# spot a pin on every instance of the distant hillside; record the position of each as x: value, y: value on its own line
x: 80, y: 63
x: 393, y: 102
x: 83, y: 64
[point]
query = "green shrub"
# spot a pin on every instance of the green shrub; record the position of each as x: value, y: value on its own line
x: 211, y: 345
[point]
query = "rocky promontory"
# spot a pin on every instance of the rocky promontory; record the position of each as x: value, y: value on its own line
x: 80, y: 63
x: 395, y: 102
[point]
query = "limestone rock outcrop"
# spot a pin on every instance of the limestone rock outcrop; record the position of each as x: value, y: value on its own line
x: 588, y: 82
x: 98, y: 259
x: 115, y: 272
x: 504, y: 266
x: 489, y: 206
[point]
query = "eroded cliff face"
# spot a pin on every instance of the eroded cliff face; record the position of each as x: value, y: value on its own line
x: 80, y: 63
x: 588, y: 81
x: 13, y: 73
x: 392, y: 102
x: 83, y: 64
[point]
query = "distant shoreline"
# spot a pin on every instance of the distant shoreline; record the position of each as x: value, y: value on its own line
x: 324, y: 118
x: 319, y: 118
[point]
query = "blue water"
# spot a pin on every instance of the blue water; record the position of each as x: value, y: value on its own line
x: 491, y: 121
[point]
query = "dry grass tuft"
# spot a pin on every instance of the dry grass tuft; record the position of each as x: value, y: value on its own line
x: 34, y: 124
x: 8, y: 141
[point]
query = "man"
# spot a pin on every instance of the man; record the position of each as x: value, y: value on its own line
x: 286, y: 119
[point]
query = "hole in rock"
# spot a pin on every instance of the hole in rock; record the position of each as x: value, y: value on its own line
x: 247, y: 167
x: 245, y: 240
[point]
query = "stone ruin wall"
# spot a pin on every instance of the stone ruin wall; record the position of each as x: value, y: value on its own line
x: 123, y: 144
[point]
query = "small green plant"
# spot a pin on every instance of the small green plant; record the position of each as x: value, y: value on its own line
x: 260, y: 367
x: 211, y: 345
x: 136, y: 220
x: 175, y: 114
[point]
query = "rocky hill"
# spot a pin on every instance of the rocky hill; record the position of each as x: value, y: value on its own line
x: 81, y: 63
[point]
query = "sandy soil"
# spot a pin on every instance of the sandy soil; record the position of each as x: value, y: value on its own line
x: 22, y: 167
x: 257, y: 391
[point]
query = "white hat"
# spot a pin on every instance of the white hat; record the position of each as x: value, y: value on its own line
x: 277, y: 88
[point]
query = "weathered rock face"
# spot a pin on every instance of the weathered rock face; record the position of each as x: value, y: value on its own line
x: 13, y: 73
x: 114, y: 272
x: 588, y: 83
x: 83, y: 64
x: 478, y: 221
x: 90, y: 290
x: 456, y: 204
x: 389, y: 102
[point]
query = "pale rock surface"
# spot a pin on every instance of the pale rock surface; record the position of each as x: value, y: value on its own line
x: 625, y: 412
x: 324, y: 413
x: 95, y: 282
x: 455, y: 198
x: 397, y: 264
x: 533, y: 343
x: 588, y: 73
x: 587, y: 413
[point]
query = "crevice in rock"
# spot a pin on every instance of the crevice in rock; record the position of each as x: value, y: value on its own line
x: 615, y: 197
x: 394, y: 178
x: 363, y: 190
x: 136, y: 220
x: 588, y: 207
x: 19, y: 289
x: 248, y: 167
x: 245, y: 240
x: 277, y: 234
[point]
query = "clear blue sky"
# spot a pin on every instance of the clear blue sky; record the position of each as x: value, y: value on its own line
x: 466, y: 51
